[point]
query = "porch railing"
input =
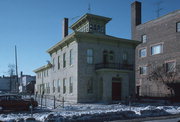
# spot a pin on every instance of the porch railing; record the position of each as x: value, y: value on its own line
x: 113, y: 66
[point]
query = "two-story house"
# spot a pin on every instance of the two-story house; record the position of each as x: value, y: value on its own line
x: 88, y: 65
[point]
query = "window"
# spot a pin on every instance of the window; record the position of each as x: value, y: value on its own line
x: 64, y: 85
x: 144, y: 38
x: 53, y: 86
x: 53, y: 63
x: 89, y: 56
x: 142, y: 52
x: 102, y: 29
x: 91, y: 27
x: 64, y: 60
x: 47, y: 72
x: 70, y: 85
x: 94, y: 27
x: 178, y: 27
x: 105, y: 57
x: 90, y: 86
x: 71, y: 57
x: 58, y: 62
x: 170, y: 66
x: 111, y: 56
x: 143, y: 70
x: 58, y: 85
x: 98, y: 28
x: 48, y: 88
x: 125, y: 58
x: 157, y: 49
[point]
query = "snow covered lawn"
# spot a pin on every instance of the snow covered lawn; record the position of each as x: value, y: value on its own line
x: 94, y: 112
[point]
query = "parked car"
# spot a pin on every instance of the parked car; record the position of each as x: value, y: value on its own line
x: 15, y: 102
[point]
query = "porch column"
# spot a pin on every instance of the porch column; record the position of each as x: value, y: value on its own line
x: 107, y: 88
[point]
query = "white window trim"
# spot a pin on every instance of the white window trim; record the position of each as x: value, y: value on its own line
x: 162, y: 50
x: 140, y: 50
x: 146, y: 70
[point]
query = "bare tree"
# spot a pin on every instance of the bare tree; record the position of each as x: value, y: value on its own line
x: 168, y: 75
x: 11, y: 69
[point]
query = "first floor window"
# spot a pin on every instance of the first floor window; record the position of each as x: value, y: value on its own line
x: 53, y: 86
x: 170, y: 66
x: 70, y: 85
x: 64, y: 85
x: 143, y: 70
x: 156, y: 49
x: 58, y: 85
x: 89, y: 56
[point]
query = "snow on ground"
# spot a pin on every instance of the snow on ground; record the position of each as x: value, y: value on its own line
x: 95, y: 112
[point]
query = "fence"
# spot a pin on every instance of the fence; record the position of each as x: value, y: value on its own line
x: 49, y: 101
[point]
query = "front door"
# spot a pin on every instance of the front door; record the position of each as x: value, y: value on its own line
x: 116, y: 91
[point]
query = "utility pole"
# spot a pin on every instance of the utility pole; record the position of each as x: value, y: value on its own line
x: 16, y: 83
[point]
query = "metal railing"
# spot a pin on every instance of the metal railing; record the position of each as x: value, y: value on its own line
x: 114, y: 66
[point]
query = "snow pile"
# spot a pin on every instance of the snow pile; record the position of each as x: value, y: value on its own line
x: 94, y: 112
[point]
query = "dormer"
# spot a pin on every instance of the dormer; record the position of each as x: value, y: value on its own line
x: 91, y: 23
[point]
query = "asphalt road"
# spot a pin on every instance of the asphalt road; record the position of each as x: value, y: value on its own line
x: 165, y: 120
x: 170, y: 118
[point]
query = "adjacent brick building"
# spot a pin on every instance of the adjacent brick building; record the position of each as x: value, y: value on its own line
x: 160, y: 44
x: 88, y: 65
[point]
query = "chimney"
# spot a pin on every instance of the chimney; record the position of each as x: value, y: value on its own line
x: 65, y: 27
x: 21, y: 73
x: 135, y: 16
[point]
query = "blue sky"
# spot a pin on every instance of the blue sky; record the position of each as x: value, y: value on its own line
x: 35, y: 25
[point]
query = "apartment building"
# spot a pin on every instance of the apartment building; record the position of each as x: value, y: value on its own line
x: 88, y: 65
x: 160, y: 45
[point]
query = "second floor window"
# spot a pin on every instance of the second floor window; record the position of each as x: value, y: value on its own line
x: 58, y: 62
x: 125, y: 58
x: 64, y: 60
x: 156, y: 49
x: 90, y: 56
x: 71, y: 57
x: 178, y: 27
x: 143, y: 70
x: 142, y: 52
x: 53, y: 64
x: 144, y: 38
x: 111, y: 56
